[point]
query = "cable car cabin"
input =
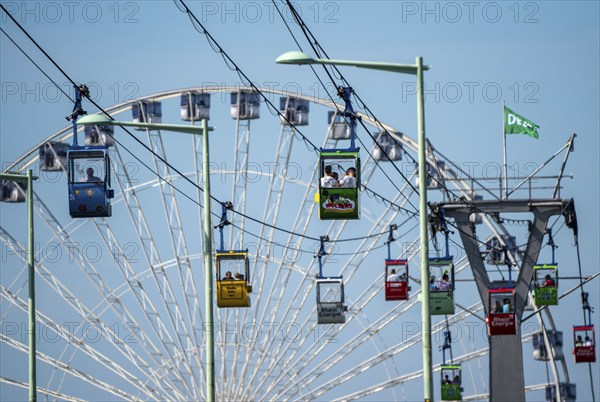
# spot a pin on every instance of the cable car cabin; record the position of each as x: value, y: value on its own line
x: 441, y: 286
x: 89, y: 182
x: 387, y: 145
x: 540, y: 349
x: 53, y: 156
x: 568, y: 392
x: 338, y: 127
x: 435, y: 178
x: 495, y: 252
x: 330, y: 301
x: 545, y: 285
x: 295, y: 110
x: 245, y: 105
x: 13, y: 192
x: 584, y: 340
x: 501, y: 319
x: 146, y: 111
x: 233, y: 278
x: 195, y: 106
x: 451, y: 389
x: 99, y: 135
x: 396, y: 280
x: 338, y: 195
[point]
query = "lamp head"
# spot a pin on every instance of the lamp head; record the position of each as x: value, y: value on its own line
x: 294, y: 57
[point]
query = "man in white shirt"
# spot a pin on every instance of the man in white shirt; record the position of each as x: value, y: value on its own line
x: 328, y: 180
x: 392, y: 277
x: 349, y: 179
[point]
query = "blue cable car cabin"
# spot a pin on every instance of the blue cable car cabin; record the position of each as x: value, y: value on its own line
x: 89, y: 182
x: 396, y: 280
x: 195, y: 106
x: 501, y: 319
x: 330, y: 300
x: 451, y: 381
x: 53, y: 156
x: 295, y: 111
x: 100, y: 135
x: 13, y: 191
x: 233, y: 278
x: 245, y: 105
x: 545, y: 284
x: 146, y: 111
x: 339, y: 183
x: 441, y: 286
x: 387, y: 146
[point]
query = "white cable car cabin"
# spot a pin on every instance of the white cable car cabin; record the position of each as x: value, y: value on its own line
x: 195, y: 106
x: 99, y: 135
x: 330, y: 301
x: 338, y: 128
x: 233, y: 278
x: 146, y: 111
x: 89, y: 182
x: 53, y: 156
x: 245, y: 105
x: 295, y: 111
x: 441, y: 286
x: 13, y: 192
x: 387, y: 145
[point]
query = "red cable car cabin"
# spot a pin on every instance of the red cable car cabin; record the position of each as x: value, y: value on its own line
x: 396, y: 280
x: 501, y: 318
x: 583, y: 339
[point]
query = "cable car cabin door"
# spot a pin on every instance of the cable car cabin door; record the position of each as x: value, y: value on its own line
x: 396, y: 282
x: 339, y: 197
x: 232, y: 286
x: 89, y: 182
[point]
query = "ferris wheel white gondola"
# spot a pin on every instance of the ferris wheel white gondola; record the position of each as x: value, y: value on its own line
x: 338, y: 126
x: 295, y: 111
x: 101, y: 135
x: 195, y: 106
x: 245, y: 105
x: 146, y: 111
x: 387, y: 146
x: 53, y: 156
x: 568, y: 392
x: 540, y: 351
x: 13, y: 192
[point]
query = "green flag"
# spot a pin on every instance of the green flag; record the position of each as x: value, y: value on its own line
x: 515, y: 124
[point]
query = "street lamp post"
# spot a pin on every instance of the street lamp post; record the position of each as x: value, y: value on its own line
x: 417, y: 69
x: 29, y: 178
x: 208, y: 283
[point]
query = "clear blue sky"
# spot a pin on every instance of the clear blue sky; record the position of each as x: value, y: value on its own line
x: 541, y: 57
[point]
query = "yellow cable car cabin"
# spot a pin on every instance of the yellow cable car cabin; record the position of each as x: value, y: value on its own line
x: 233, y: 278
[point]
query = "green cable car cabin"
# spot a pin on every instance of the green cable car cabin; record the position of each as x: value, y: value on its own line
x: 441, y: 286
x: 451, y: 389
x: 545, y: 285
x: 339, y: 183
x: 233, y: 278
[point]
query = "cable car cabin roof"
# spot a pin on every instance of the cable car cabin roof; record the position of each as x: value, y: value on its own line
x: 232, y: 253
x: 438, y: 261
x: 396, y: 262
x: 339, y: 153
x: 502, y: 290
x: 329, y: 279
x: 88, y: 151
x: 583, y: 327
x: 450, y: 367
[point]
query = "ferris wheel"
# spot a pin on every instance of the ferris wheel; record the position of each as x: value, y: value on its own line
x: 120, y: 308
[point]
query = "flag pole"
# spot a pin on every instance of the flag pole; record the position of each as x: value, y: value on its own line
x: 504, y: 143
